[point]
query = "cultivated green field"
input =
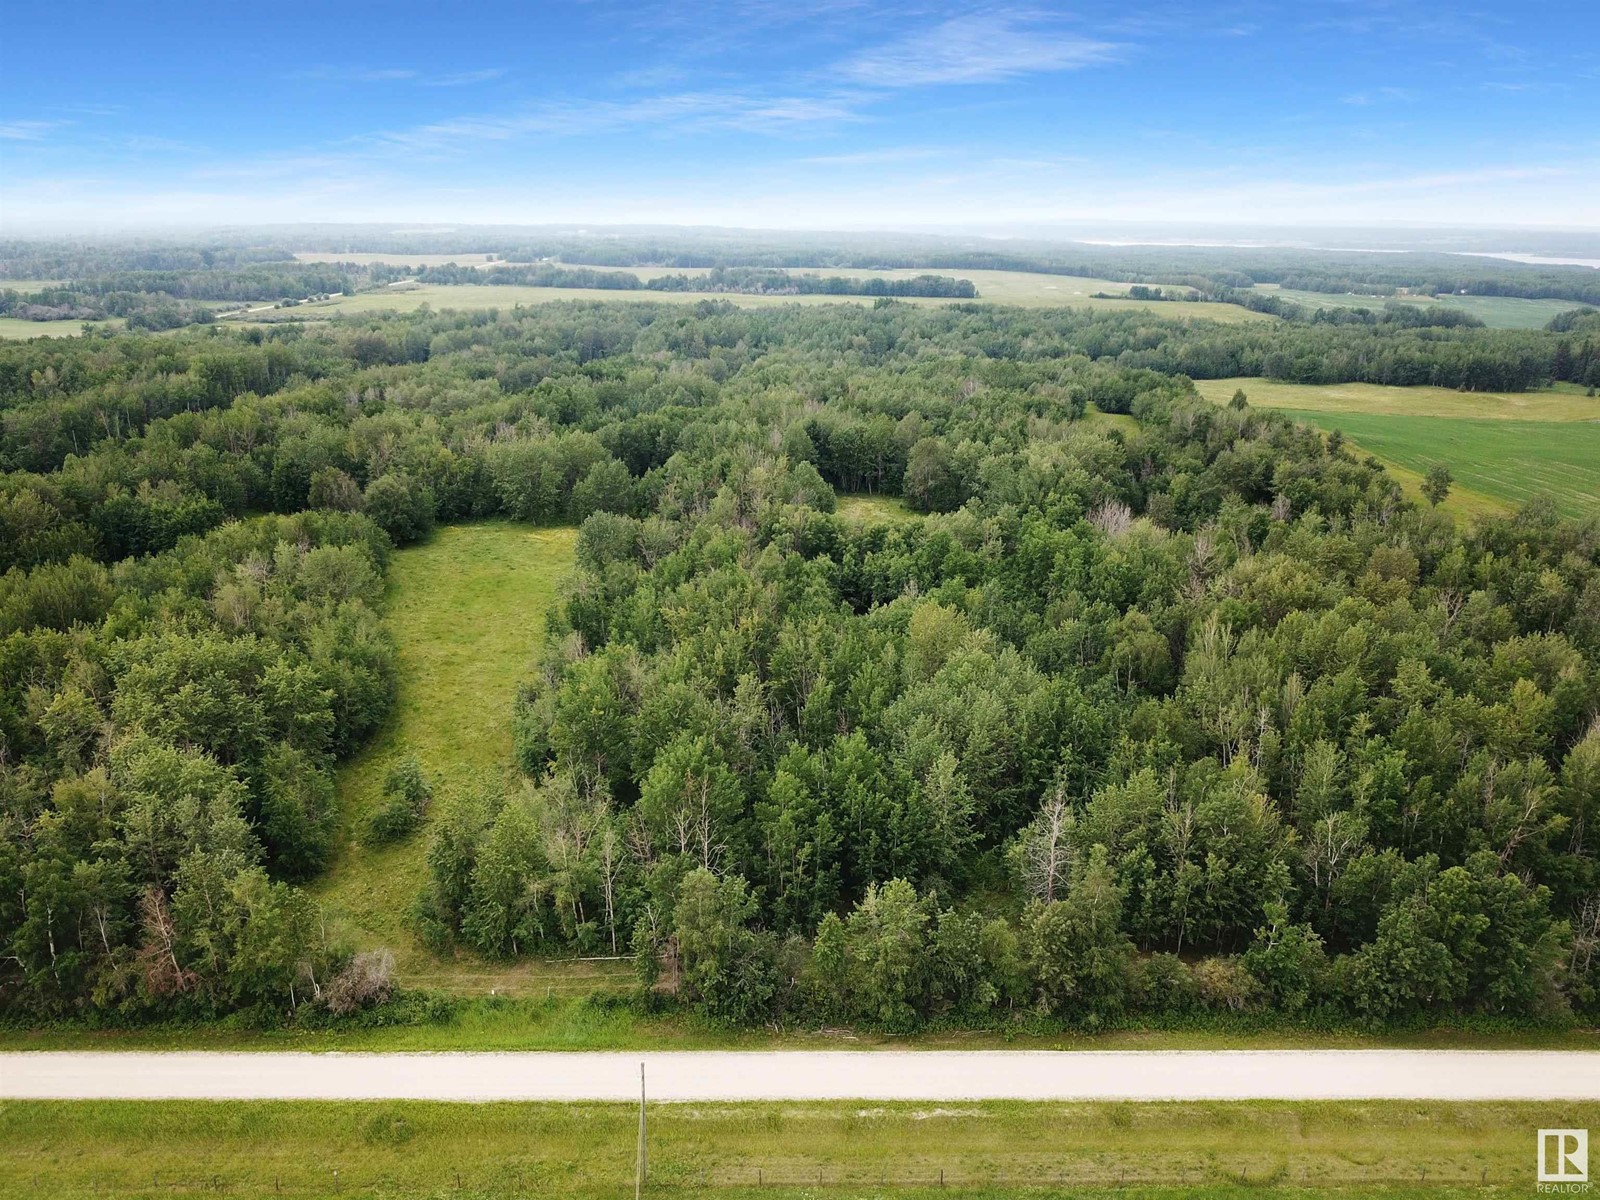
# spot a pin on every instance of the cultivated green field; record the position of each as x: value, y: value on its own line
x: 1564, y: 402
x: 838, y: 1149
x: 1497, y: 312
x: 1502, y: 448
x: 1515, y: 461
x: 467, y: 610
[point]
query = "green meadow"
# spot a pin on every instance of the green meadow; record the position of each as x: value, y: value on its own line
x: 1504, y: 448
x: 839, y: 1149
x: 467, y: 611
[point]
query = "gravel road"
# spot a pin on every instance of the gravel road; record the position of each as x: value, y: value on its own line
x: 803, y: 1075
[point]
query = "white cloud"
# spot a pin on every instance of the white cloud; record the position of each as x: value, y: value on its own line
x: 977, y: 48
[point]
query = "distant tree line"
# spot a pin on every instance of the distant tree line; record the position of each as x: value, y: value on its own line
x: 745, y: 280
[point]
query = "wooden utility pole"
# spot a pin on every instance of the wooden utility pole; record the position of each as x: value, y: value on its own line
x: 641, y: 1169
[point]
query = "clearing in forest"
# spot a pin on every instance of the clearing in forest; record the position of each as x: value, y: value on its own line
x: 467, y: 611
x: 866, y: 509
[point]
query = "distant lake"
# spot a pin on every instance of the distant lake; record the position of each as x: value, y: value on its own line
x: 1536, y: 259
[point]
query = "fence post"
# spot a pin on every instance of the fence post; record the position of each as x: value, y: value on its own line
x: 641, y: 1166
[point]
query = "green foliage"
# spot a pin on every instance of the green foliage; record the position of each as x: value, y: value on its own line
x: 1189, y: 712
x: 406, y: 795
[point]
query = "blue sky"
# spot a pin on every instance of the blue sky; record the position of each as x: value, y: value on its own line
x: 800, y: 113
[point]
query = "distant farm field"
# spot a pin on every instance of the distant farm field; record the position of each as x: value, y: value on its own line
x: 1497, y: 312
x: 994, y: 287
x: 394, y: 260
x: 467, y: 612
x: 1502, y: 448
x: 1565, y: 402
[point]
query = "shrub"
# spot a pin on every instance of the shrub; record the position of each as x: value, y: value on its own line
x: 367, y: 980
x: 1223, y: 983
x: 407, y: 794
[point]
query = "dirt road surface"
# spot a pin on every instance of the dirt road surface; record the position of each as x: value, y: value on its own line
x: 803, y: 1075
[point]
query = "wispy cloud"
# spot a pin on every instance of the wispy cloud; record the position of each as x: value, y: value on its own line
x: 325, y: 73
x: 28, y: 131
x: 144, y: 143
x: 976, y: 48
x: 464, y: 78
x: 1379, y: 95
x: 749, y: 112
x: 873, y: 158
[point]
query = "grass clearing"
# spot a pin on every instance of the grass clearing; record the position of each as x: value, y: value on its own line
x: 1126, y: 422
x: 866, y: 509
x: 1503, y: 448
x: 467, y: 610
x: 845, y: 1149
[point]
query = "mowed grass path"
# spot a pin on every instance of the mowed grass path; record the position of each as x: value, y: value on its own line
x: 467, y: 612
x: 1503, y: 448
x: 839, y: 1149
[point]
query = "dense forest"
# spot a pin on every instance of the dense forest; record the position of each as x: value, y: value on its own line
x: 1121, y: 721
